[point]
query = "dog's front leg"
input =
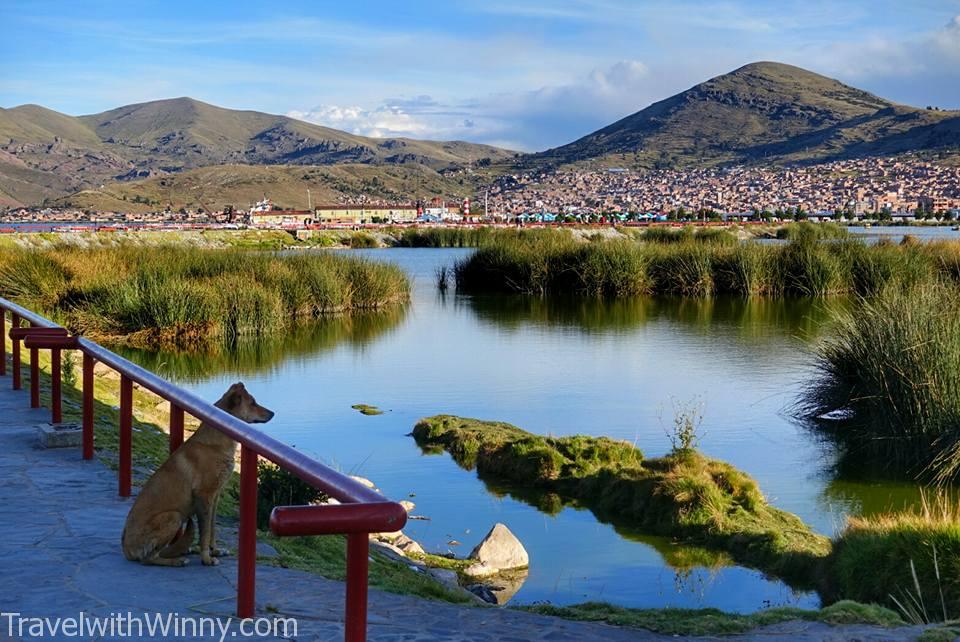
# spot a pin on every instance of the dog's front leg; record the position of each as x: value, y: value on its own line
x: 205, y: 519
x: 215, y: 550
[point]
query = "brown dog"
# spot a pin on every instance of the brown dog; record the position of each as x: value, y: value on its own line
x: 188, y: 485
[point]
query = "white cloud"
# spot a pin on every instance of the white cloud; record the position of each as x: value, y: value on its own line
x: 529, y: 119
x: 419, y: 117
x: 918, y: 69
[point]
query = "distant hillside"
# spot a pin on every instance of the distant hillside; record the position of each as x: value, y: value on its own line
x: 763, y: 112
x: 46, y: 154
x: 241, y: 185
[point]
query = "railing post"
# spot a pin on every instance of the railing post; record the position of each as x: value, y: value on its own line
x: 3, y: 341
x: 56, y: 408
x: 34, y: 378
x: 87, y: 406
x: 176, y: 426
x: 358, y: 551
x: 15, y: 351
x: 126, y: 435
x: 247, y: 545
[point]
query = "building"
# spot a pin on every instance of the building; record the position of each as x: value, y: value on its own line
x: 280, y: 218
x: 358, y: 214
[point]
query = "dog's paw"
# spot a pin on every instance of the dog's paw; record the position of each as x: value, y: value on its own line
x: 219, y: 552
x: 183, y: 561
x: 210, y: 561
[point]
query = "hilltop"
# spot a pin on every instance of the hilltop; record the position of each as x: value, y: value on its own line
x: 46, y: 154
x: 762, y: 112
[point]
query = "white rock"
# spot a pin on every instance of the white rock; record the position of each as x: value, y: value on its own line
x: 389, y: 550
x: 363, y: 480
x: 479, y: 570
x: 501, y: 550
x: 411, y: 547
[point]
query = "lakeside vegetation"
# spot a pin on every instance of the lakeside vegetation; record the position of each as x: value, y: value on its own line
x: 919, y: 550
x: 704, y: 502
x: 683, y: 266
x: 702, y: 622
x: 684, y: 495
x: 179, y: 296
x: 886, y: 387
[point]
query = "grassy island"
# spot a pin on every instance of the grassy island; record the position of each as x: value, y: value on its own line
x: 684, y: 495
x: 151, y: 296
x: 701, y: 264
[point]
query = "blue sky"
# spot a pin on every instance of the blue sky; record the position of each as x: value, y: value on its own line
x: 523, y: 74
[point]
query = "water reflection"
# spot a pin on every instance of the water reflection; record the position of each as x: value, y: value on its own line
x: 754, y: 317
x: 259, y: 355
x: 557, y: 367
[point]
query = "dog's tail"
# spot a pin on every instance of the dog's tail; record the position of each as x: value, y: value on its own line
x: 181, y: 543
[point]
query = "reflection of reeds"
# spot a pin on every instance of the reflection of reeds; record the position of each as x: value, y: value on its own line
x: 249, y: 355
x: 443, y: 278
x: 182, y: 296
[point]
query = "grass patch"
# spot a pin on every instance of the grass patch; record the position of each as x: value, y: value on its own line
x: 326, y: 556
x: 684, y: 495
x: 920, y: 569
x: 180, y: 296
x: 713, y: 622
x: 366, y: 409
x: 940, y: 634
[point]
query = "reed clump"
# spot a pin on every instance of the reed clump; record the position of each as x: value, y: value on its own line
x: 907, y: 561
x: 890, y: 372
x: 176, y: 295
x: 683, y: 495
x: 688, y: 233
x: 806, y: 266
x: 812, y: 231
x: 445, y: 236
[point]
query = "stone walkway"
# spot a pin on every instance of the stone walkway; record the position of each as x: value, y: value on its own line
x: 60, y: 554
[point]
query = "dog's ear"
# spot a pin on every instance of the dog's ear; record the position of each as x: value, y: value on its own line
x: 232, y: 397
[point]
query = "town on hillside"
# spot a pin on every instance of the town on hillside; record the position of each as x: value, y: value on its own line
x: 862, y: 189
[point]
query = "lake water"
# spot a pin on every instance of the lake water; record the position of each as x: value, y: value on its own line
x: 558, y: 367
x: 896, y: 232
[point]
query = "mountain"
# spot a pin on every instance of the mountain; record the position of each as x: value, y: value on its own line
x: 182, y: 151
x: 46, y: 154
x: 762, y: 112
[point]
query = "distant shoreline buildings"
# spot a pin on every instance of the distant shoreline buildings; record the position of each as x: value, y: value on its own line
x: 894, y: 188
x: 849, y: 189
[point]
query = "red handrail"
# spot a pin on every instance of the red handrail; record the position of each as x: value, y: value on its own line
x: 361, y: 510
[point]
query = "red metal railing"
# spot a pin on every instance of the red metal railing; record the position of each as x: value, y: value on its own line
x: 361, y: 510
